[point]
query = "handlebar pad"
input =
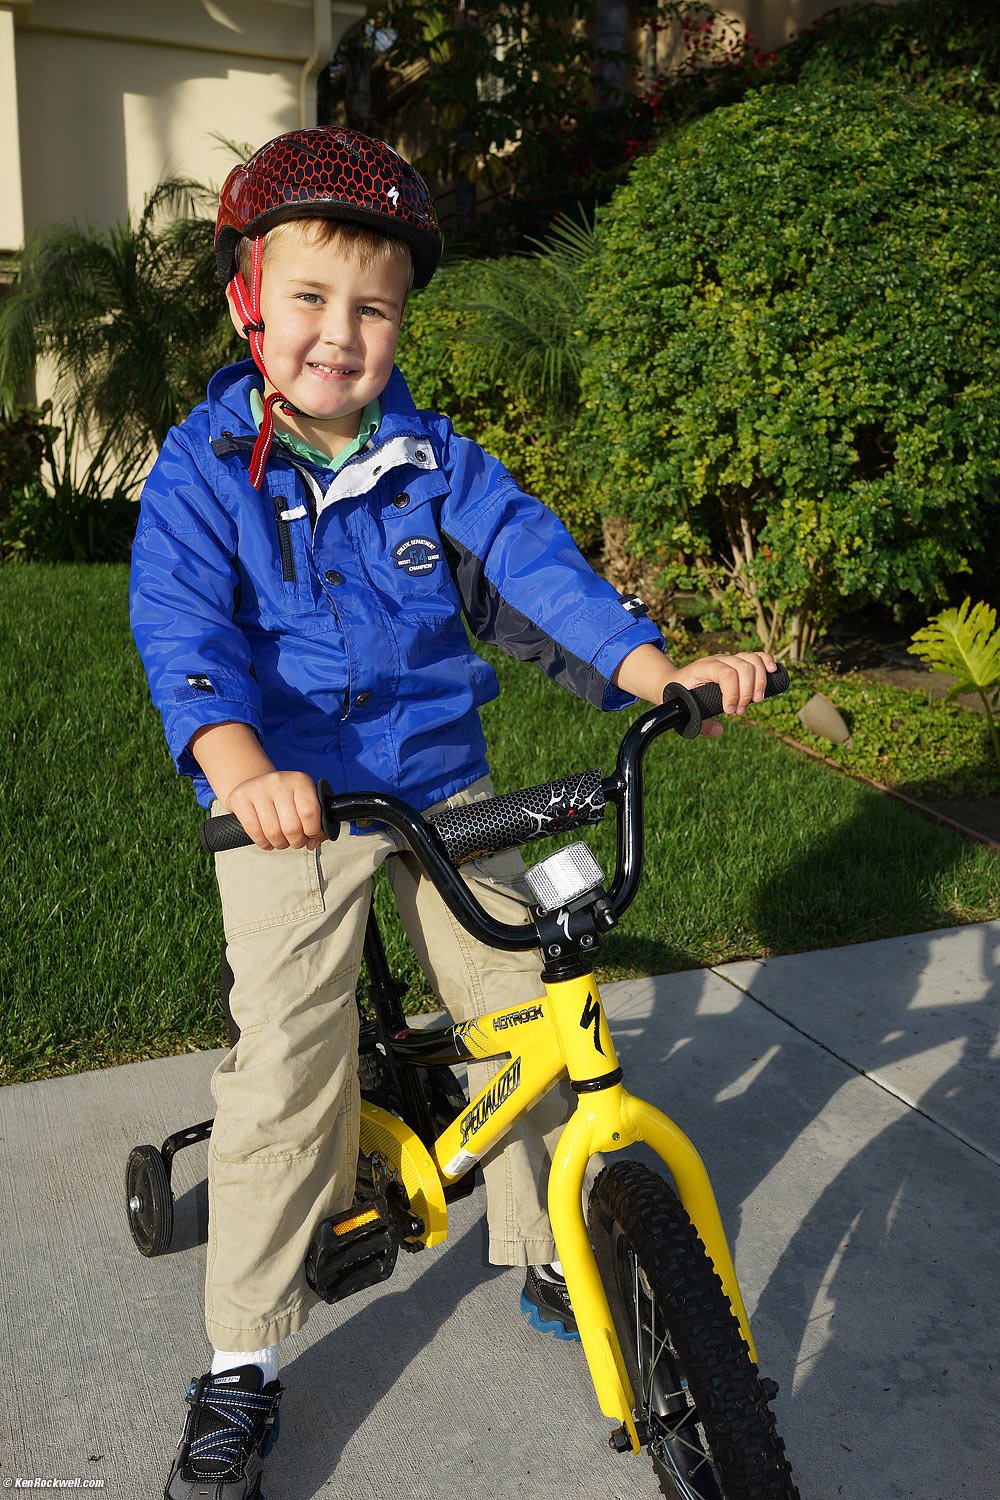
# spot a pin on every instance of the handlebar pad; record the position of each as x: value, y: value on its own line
x: 707, y: 700
x: 518, y: 817
x: 216, y: 835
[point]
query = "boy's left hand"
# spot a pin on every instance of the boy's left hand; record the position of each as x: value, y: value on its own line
x: 742, y: 677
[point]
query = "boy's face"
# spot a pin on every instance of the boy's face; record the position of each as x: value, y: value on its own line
x: 330, y: 333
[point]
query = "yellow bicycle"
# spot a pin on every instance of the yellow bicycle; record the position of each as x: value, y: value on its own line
x: 648, y: 1268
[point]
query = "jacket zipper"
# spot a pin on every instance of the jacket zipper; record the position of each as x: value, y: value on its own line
x: 229, y: 443
x: 288, y: 573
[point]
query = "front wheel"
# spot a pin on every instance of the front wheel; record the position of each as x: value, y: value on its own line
x: 699, y: 1400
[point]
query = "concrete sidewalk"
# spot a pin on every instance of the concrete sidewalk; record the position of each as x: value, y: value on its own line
x: 846, y: 1104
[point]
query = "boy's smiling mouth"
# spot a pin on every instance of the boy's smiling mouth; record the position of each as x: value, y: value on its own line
x: 335, y: 370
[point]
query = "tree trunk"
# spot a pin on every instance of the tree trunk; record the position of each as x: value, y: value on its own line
x: 632, y: 575
x: 465, y: 193
x: 358, y: 81
x: 611, y: 38
x: 465, y: 188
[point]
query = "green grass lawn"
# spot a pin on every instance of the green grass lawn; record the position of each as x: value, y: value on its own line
x: 111, y: 933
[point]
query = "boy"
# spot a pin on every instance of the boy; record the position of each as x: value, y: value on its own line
x: 307, y: 546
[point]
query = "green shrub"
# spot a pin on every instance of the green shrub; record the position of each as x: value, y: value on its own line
x: 792, y: 385
x: 952, y: 46
x: 59, y: 505
x: 527, y: 431
x: 22, y: 447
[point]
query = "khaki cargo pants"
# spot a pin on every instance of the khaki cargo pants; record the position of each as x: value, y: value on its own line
x: 284, y: 1144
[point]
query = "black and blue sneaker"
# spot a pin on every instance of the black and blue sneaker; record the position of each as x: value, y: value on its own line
x: 229, y: 1431
x: 545, y: 1303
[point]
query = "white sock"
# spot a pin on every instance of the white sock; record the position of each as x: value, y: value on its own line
x: 265, y: 1359
x: 552, y: 1272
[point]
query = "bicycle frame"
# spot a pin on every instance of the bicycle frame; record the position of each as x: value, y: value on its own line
x: 565, y: 1031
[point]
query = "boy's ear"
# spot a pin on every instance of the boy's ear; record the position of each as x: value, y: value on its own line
x: 234, y: 313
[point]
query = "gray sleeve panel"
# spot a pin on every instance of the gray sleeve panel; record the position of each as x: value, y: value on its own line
x: 494, y: 620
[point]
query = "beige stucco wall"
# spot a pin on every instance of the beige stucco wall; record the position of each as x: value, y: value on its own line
x: 11, y: 210
x: 774, y: 22
x: 106, y: 96
x: 771, y: 23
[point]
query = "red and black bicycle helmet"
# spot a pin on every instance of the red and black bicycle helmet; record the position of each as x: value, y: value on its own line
x: 328, y: 173
x: 322, y: 173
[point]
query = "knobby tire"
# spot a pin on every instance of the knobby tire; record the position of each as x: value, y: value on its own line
x: 711, y: 1432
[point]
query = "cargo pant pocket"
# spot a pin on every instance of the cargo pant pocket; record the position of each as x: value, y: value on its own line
x: 501, y: 874
x: 264, y: 888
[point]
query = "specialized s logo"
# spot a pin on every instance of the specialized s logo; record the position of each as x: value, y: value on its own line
x: 418, y: 555
x: 592, y: 1017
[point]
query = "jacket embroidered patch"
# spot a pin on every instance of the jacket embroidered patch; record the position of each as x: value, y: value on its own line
x: 418, y: 554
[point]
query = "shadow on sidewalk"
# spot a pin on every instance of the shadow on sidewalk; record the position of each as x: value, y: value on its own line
x: 849, y: 1152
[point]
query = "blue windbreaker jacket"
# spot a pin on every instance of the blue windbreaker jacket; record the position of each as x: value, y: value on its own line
x: 327, y: 611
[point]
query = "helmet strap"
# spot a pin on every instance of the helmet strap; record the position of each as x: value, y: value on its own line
x: 247, y: 301
x: 265, y: 437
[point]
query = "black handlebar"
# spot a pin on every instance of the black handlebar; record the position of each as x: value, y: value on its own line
x: 443, y: 840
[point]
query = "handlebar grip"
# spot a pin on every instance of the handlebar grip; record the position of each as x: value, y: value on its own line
x: 709, y: 697
x: 216, y: 835
x: 519, y: 817
x: 705, y: 702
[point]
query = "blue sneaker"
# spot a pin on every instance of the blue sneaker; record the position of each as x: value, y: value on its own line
x: 545, y: 1303
x: 230, y: 1429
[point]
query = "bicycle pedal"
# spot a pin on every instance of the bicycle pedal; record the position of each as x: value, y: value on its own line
x: 351, y: 1251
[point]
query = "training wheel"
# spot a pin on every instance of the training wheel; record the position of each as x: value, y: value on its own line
x: 149, y: 1200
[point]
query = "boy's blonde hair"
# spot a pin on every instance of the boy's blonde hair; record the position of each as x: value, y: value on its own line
x: 366, y: 247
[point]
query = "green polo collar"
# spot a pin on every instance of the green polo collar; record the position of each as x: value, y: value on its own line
x: 371, y: 416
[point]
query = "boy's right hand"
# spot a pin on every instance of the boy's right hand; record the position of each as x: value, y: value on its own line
x: 278, y: 810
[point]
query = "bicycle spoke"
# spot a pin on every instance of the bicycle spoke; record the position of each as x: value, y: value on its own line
x: 656, y: 1349
x: 677, y: 1435
x: 651, y: 1348
x: 638, y: 1325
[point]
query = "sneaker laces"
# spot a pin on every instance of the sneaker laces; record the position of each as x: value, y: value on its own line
x: 234, y: 1415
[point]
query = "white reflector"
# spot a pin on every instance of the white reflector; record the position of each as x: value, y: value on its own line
x: 559, y: 879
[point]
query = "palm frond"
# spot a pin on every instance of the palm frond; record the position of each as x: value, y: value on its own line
x: 525, y: 316
x: 241, y: 150
x: 964, y: 642
x: 131, y: 316
x: 570, y: 240
x: 176, y: 197
x: 18, y: 348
